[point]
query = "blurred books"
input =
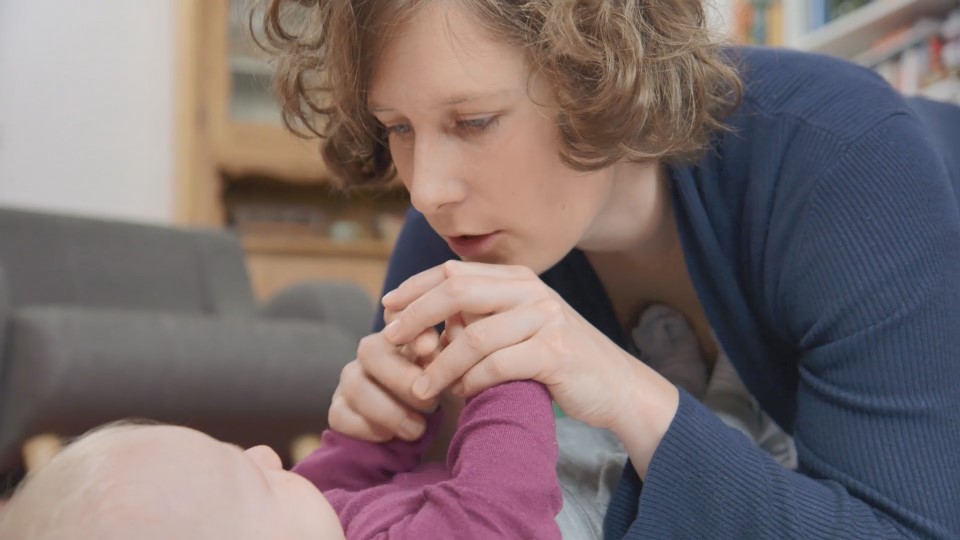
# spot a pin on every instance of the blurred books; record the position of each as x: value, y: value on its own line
x: 920, y: 59
x: 759, y: 22
x: 913, y: 44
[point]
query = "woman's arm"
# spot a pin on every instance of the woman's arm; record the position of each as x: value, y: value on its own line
x: 870, y: 293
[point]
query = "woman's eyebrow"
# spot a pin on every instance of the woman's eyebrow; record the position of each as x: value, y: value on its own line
x: 455, y: 99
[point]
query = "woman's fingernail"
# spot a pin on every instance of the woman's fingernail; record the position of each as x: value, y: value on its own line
x: 386, y: 298
x: 410, y: 429
x: 421, y: 386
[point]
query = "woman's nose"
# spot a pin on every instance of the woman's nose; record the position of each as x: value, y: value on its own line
x: 435, y: 181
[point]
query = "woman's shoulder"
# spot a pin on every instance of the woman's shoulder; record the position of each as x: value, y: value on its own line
x: 836, y: 97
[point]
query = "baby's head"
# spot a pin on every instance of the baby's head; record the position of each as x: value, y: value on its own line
x: 162, y: 482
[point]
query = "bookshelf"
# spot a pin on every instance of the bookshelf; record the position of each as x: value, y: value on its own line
x: 854, y: 33
x: 238, y: 168
x: 914, y: 44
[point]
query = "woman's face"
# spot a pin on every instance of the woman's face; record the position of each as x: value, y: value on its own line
x: 477, y: 146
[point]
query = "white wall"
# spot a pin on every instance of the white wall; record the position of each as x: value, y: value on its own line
x: 86, y: 107
x: 719, y: 12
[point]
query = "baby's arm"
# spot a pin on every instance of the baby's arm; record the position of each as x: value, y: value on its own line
x: 346, y: 463
x: 502, y: 479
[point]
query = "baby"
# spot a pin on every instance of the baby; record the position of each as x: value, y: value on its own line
x: 161, y: 482
x: 153, y: 482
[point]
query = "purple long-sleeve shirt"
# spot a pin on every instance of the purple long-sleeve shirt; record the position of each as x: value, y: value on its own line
x: 499, y: 480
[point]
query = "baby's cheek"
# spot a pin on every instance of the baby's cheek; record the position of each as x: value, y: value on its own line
x: 325, y: 523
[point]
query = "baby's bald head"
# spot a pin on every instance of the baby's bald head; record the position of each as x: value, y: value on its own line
x: 146, y: 482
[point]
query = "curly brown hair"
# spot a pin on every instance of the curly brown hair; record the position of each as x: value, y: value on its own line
x: 639, y: 80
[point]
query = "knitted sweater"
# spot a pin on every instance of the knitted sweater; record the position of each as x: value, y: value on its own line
x: 499, y: 480
x: 822, y: 236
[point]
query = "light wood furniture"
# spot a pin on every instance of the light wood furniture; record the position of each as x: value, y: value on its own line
x: 40, y: 450
x: 304, y: 445
x: 228, y: 132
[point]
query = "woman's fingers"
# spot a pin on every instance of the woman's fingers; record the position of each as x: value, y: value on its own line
x: 390, y: 315
x: 423, y: 345
x: 479, y: 340
x: 417, y: 285
x: 345, y: 420
x: 466, y: 295
x: 452, y: 329
x: 509, y: 364
x: 387, y: 367
x: 381, y: 415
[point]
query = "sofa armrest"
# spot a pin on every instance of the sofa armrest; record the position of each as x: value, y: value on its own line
x: 245, y: 381
x: 338, y: 302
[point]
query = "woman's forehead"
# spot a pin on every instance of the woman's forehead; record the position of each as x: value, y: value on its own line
x: 444, y: 57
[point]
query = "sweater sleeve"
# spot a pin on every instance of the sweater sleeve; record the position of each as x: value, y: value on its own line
x: 869, y: 291
x: 501, y: 480
x: 348, y: 464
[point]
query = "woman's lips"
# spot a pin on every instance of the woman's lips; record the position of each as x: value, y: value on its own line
x: 471, y: 246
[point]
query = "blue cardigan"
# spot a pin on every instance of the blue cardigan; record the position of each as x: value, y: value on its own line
x: 823, y: 238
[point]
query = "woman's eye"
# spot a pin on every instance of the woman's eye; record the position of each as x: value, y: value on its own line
x: 398, y: 129
x: 477, y: 125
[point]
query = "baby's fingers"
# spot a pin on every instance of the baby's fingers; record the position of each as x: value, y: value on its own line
x: 426, y: 343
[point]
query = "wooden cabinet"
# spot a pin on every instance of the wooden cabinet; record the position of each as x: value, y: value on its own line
x: 237, y: 167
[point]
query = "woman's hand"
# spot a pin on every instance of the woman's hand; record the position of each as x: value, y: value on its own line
x: 373, y: 401
x: 518, y: 328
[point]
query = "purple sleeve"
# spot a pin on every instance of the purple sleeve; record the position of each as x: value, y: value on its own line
x: 500, y: 480
x: 349, y: 464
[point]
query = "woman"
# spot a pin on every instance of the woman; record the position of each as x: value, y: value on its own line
x: 585, y: 160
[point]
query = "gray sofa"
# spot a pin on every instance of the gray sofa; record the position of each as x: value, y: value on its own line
x: 101, y: 320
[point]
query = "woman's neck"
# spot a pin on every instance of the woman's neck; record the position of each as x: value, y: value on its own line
x: 638, y: 255
x: 638, y: 216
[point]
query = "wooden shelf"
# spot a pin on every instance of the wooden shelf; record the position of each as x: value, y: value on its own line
x: 232, y: 153
x: 313, y: 246
x: 245, y: 149
x: 853, y: 33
